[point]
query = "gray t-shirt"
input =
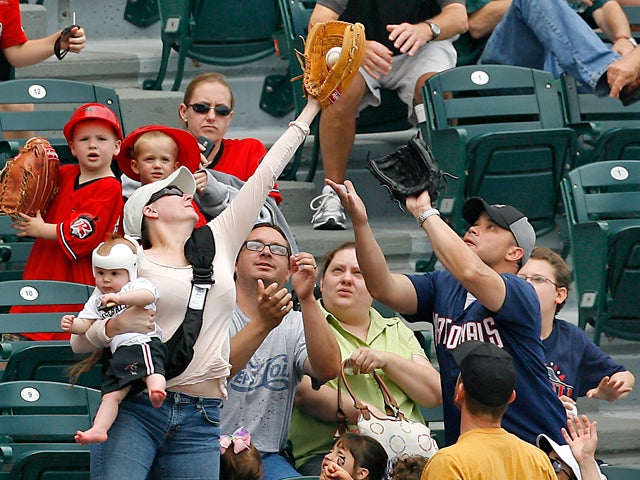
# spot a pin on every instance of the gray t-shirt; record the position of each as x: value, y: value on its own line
x: 261, y: 394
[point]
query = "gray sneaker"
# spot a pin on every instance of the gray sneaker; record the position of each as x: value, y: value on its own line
x: 328, y: 212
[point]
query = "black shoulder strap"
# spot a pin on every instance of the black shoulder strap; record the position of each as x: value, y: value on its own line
x: 200, y: 250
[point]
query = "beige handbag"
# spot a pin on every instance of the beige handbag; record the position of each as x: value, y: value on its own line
x: 397, y: 434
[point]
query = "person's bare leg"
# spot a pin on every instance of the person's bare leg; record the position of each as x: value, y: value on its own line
x: 17, y: 107
x: 106, y: 415
x: 156, y: 386
x: 338, y: 130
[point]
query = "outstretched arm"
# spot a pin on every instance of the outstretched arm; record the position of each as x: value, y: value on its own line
x: 582, y: 437
x: 323, y: 361
x: 613, y: 388
x: 38, y: 50
x: 394, y: 290
x: 463, y: 263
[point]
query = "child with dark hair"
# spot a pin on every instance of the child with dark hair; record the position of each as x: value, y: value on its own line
x: 408, y: 467
x: 239, y: 458
x: 355, y: 457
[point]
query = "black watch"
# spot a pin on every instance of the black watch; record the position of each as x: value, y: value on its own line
x: 435, y: 29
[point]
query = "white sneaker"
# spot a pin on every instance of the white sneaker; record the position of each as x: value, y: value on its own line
x: 329, y: 214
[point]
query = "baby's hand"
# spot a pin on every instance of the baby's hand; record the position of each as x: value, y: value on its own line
x: 110, y: 299
x: 67, y: 322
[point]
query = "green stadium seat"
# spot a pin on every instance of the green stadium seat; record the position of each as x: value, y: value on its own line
x: 49, y: 361
x: 621, y: 472
x: 214, y: 33
x: 602, y: 202
x: 40, y: 360
x: 38, y: 421
x: 54, y: 101
x: 45, y: 412
x: 606, y: 129
x: 500, y: 129
x: 14, y: 251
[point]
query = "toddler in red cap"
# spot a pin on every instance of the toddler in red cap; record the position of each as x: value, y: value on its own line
x: 154, y: 152
x: 86, y: 210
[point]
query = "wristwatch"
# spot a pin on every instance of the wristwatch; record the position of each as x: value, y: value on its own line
x: 435, y: 29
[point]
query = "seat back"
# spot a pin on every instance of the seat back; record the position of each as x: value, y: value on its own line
x: 211, y: 32
x: 603, y: 191
x: 621, y: 472
x: 37, y: 411
x: 39, y: 293
x: 602, y: 201
x: 609, y: 130
x: 49, y: 361
x: 14, y: 251
x: 501, y: 130
x: 45, y: 461
x: 54, y: 101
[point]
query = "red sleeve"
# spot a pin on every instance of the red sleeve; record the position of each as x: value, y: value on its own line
x: 95, y: 214
x: 11, y: 32
x: 202, y: 221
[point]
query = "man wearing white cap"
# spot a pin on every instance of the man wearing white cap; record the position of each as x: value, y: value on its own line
x: 478, y: 297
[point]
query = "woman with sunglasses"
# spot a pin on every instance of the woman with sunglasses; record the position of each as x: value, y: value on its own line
x: 180, y: 439
x: 576, y: 366
x: 206, y: 111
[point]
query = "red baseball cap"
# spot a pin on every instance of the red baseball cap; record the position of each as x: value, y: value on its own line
x: 92, y: 111
x: 188, y: 148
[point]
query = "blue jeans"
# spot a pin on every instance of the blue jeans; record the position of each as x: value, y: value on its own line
x: 276, y: 467
x: 180, y: 440
x: 533, y: 30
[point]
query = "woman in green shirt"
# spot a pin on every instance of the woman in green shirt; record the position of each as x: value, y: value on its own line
x: 372, y: 343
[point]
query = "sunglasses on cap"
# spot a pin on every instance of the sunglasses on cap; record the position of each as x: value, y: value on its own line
x: 170, y: 190
x: 203, y: 108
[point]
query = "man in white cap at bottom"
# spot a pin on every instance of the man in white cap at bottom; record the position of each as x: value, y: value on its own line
x: 576, y: 460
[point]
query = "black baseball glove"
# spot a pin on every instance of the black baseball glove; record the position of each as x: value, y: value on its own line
x: 408, y: 171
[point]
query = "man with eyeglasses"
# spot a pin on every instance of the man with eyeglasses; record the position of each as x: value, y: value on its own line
x: 575, y: 365
x: 477, y: 297
x: 273, y: 346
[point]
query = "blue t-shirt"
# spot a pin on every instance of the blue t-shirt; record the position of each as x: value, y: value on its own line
x: 575, y: 364
x: 516, y: 328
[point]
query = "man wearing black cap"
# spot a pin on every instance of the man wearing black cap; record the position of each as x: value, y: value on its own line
x: 478, y: 297
x: 484, y: 450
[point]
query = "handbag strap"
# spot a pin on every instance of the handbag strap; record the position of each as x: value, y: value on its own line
x: 390, y: 404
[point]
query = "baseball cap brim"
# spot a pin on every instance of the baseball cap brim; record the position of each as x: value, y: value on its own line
x: 188, y: 149
x: 507, y: 217
x: 92, y: 111
x: 546, y: 444
x: 134, y: 206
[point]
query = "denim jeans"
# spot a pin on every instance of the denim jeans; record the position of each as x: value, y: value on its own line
x: 180, y: 440
x: 276, y: 467
x: 533, y: 30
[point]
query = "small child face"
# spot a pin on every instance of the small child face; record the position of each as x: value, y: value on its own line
x: 155, y: 159
x: 338, y: 463
x: 111, y: 281
x: 94, y: 144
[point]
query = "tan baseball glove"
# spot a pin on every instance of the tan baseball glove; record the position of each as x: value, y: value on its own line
x: 29, y: 181
x: 324, y: 82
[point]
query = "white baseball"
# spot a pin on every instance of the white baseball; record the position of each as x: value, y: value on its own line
x: 332, y: 56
